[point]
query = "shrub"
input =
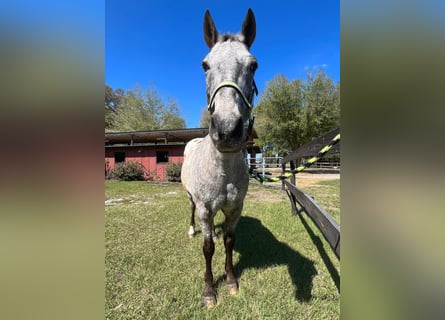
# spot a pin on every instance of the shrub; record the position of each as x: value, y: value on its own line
x: 128, y: 171
x: 107, y: 169
x: 173, y: 170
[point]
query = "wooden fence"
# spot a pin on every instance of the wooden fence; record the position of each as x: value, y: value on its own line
x: 328, y: 227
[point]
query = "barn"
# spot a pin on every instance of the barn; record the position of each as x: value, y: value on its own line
x: 157, y: 148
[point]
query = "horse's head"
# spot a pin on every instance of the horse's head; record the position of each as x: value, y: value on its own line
x: 229, y: 69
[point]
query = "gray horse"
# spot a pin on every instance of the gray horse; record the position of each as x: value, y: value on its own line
x: 214, y: 172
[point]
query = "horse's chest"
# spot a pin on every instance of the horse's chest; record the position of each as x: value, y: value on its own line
x: 229, y: 195
x: 232, y: 192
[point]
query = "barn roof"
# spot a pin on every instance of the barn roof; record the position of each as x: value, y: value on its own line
x: 158, y: 136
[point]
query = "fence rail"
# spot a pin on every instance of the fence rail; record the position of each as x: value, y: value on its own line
x: 327, y: 225
x: 311, y: 148
x: 327, y: 165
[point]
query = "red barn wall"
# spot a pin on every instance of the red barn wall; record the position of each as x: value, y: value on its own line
x: 146, y: 155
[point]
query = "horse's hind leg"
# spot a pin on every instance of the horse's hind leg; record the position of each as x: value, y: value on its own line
x: 191, y: 232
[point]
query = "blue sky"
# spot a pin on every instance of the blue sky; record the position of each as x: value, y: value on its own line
x: 159, y: 44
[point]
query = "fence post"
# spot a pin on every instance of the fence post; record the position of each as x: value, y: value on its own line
x: 292, y: 168
x: 283, y: 171
x: 264, y: 166
x: 293, y: 199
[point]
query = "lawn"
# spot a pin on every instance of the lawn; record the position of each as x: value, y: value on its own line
x: 326, y: 193
x: 153, y: 271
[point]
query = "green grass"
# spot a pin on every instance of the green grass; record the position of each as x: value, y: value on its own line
x: 327, y: 194
x: 153, y: 271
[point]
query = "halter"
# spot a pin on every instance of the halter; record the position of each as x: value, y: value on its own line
x: 228, y: 83
x: 249, y: 103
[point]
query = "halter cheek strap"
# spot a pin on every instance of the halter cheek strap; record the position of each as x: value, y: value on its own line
x: 250, y: 127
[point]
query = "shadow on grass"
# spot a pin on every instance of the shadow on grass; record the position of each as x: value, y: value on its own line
x: 321, y: 250
x: 258, y: 248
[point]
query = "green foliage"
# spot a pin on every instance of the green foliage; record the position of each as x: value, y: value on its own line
x: 322, y: 102
x: 279, y: 116
x: 173, y: 170
x: 204, y: 121
x: 128, y: 171
x: 107, y: 169
x: 169, y: 117
x: 113, y: 98
x: 292, y: 113
x: 137, y: 110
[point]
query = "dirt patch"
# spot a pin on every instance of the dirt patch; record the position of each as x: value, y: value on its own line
x: 126, y: 200
x: 304, y: 179
x: 318, y: 176
x: 265, y: 194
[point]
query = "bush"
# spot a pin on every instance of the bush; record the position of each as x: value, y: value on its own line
x: 107, y: 169
x: 173, y: 170
x: 128, y: 171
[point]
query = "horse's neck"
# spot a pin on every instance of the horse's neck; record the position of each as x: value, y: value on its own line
x: 224, y: 162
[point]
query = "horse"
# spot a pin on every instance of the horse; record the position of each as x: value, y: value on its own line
x: 214, y: 172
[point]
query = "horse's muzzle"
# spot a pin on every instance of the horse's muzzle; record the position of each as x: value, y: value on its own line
x: 228, y: 136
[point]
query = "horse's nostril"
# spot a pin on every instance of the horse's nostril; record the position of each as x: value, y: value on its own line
x: 226, y: 131
x: 238, y: 131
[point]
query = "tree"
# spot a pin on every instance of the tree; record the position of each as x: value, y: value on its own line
x: 322, y: 101
x: 291, y: 113
x: 138, y: 110
x: 170, y: 118
x: 113, y: 99
x: 279, y: 116
x: 204, y: 121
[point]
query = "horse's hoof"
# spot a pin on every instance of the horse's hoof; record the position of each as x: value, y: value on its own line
x: 209, y: 302
x: 233, y: 288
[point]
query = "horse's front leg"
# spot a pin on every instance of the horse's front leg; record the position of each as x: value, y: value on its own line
x: 191, y: 232
x: 209, y: 296
x: 232, y: 283
x: 208, y: 248
x: 229, y: 243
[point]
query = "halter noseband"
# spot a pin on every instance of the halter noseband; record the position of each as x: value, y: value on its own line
x: 228, y: 83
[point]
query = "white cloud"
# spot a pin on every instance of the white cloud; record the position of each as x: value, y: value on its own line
x: 315, y: 67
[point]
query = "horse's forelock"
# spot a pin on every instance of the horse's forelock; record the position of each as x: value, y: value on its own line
x: 228, y: 37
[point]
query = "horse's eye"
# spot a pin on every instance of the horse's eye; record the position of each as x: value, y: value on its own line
x: 205, y: 66
x: 253, y: 66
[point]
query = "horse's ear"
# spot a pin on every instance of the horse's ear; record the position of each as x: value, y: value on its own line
x: 210, y: 33
x: 249, y: 28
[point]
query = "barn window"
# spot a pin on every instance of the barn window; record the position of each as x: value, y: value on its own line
x: 161, y: 156
x: 119, y: 157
